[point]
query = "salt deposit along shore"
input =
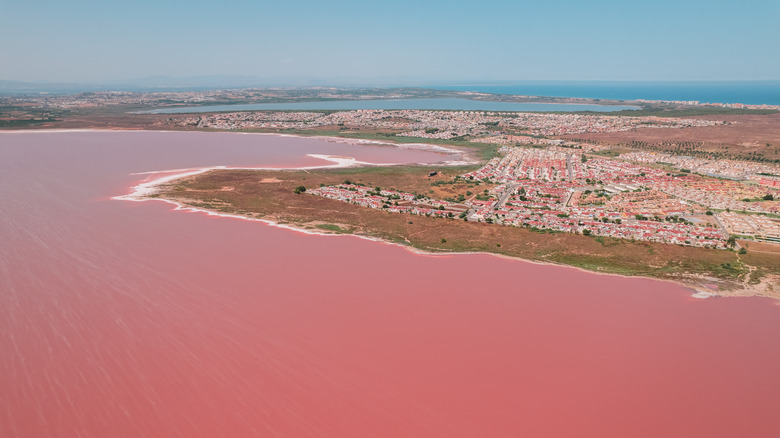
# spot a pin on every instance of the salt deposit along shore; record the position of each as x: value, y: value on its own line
x: 143, y: 190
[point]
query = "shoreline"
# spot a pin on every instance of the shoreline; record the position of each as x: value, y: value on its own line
x: 467, y: 156
x: 547, y: 102
x: 697, y: 291
x: 142, y: 191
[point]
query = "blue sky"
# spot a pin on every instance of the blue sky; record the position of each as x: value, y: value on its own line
x: 390, y: 42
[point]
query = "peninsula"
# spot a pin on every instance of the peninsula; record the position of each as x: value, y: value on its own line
x: 682, y: 191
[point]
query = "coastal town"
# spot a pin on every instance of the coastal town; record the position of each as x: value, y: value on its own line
x: 176, y: 94
x: 709, y: 138
x: 556, y: 189
x: 550, y: 173
x: 175, y: 98
x: 481, y: 126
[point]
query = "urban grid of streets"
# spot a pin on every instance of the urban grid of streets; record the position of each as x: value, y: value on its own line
x: 558, y: 189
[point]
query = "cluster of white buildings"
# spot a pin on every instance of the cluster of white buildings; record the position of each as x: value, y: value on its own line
x: 553, y: 190
x: 732, y: 169
x: 566, y: 124
x: 447, y: 124
x: 530, y: 163
x: 108, y: 98
x: 259, y: 120
x: 414, y: 123
x: 188, y: 98
x: 506, y: 139
x: 756, y: 226
x: 722, y: 105
x: 719, y: 194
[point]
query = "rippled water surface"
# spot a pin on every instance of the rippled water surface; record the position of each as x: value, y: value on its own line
x: 126, y: 319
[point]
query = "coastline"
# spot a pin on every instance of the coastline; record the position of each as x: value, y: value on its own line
x: 142, y: 191
x: 698, y: 285
x: 697, y: 290
x: 467, y: 156
x: 481, y: 102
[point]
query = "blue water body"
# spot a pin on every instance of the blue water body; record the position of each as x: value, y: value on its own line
x: 399, y: 104
x: 747, y: 92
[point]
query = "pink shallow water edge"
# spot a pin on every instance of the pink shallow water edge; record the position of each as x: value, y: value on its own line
x: 130, y: 319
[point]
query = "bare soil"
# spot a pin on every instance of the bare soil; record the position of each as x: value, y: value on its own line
x: 743, y: 135
x: 694, y: 267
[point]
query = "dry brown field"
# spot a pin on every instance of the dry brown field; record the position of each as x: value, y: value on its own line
x: 744, y: 134
x: 250, y: 193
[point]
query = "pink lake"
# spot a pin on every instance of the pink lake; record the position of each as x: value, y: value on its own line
x: 130, y: 319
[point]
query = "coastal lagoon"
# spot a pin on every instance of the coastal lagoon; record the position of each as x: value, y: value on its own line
x: 122, y: 318
x: 398, y: 104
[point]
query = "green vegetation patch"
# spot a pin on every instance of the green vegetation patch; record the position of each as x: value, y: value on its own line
x: 334, y: 228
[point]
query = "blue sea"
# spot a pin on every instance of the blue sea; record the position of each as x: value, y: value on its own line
x: 747, y: 92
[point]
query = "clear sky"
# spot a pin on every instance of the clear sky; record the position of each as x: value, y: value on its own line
x: 394, y: 41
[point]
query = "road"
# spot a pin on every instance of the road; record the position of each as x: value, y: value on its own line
x: 502, y: 200
x: 505, y: 196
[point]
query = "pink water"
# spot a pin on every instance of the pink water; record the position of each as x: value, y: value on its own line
x: 122, y: 319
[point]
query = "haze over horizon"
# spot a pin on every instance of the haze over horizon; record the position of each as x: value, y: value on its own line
x: 404, y: 43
